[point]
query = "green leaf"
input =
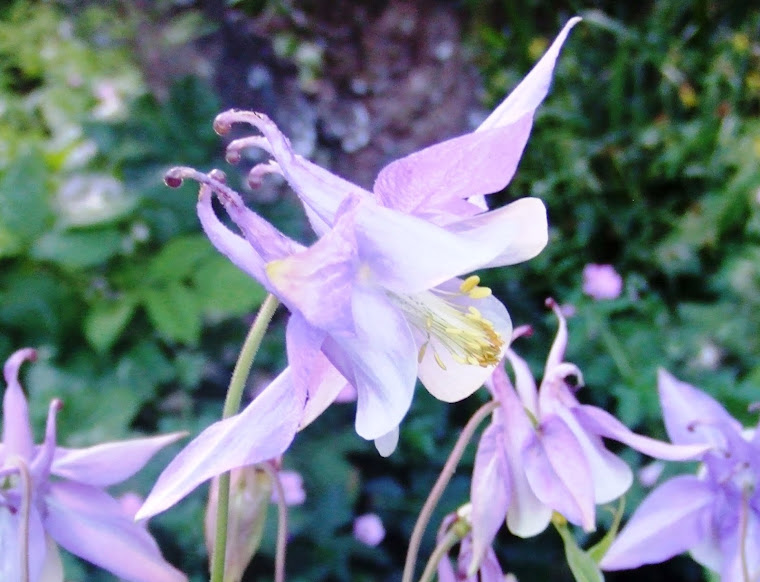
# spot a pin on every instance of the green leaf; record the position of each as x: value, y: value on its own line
x: 79, y: 249
x: 598, y: 550
x: 106, y: 321
x: 179, y: 258
x: 582, y: 565
x: 224, y: 290
x: 174, y: 312
x: 24, y: 209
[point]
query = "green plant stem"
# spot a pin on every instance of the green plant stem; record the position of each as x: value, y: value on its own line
x: 440, y: 485
x: 448, y: 542
x: 282, y: 525
x: 231, y: 406
x: 616, y: 351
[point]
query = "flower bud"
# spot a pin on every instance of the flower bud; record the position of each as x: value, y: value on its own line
x: 250, y: 491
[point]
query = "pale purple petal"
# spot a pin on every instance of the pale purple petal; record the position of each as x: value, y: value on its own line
x: 527, y: 516
x: 532, y: 90
x: 262, y: 431
x: 734, y: 561
x: 490, y: 492
x: 268, y: 242
x: 604, y: 424
x: 231, y: 245
x: 559, y: 345
x: 610, y: 475
x: 669, y: 521
x: 92, y: 525
x: 690, y: 415
x: 17, y: 432
x: 386, y: 239
x: 518, y: 231
x: 388, y: 442
x: 10, y: 550
x: 311, y: 369
x: 317, y: 188
x: 108, y: 463
x: 525, y: 384
x: 457, y: 381
x: 559, y: 473
x: 383, y: 360
x: 426, y: 182
x: 318, y: 282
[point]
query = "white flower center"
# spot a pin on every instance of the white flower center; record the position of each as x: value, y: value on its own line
x: 460, y: 328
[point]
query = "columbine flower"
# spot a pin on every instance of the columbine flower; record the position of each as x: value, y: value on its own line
x: 487, y: 569
x: 602, y: 282
x: 376, y: 301
x: 716, y: 514
x: 543, y: 452
x: 368, y: 529
x: 50, y: 494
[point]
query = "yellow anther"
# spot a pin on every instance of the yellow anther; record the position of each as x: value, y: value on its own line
x: 421, y: 354
x: 472, y: 360
x: 428, y: 322
x: 479, y: 292
x: 474, y: 312
x: 439, y: 361
x: 469, y: 284
x: 453, y: 331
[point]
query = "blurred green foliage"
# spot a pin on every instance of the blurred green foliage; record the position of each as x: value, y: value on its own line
x: 646, y: 153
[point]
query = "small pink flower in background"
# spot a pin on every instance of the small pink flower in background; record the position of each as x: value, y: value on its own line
x: 368, y: 529
x: 602, y: 282
x: 292, y: 486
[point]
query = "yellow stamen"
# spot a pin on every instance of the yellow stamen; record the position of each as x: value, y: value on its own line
x: 421, y: 354
x: 480, y: 292
x: 469, y: 284
x: 439, y: 361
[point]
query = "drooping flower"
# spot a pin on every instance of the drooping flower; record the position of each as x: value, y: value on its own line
x: 53, y: 495
x: 369, y: 530
x: 602, y: 282
x: 716, y: 514
x: 544, y: 452
x: 488, y: 568
x: 376, y: 302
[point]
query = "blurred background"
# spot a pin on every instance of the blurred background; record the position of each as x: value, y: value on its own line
x: 646, y: 153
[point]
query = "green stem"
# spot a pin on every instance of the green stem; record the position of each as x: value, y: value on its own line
x: 231, y: 407
x: 449, y: 541
x: 440, y: 485
x: 282, y: 525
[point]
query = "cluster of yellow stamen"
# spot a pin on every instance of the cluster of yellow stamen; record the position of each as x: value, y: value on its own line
x: 462, y: 330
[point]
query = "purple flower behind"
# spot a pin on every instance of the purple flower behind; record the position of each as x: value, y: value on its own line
x: 716, y: 514
x: 68, y: 505
x: 543, y: 451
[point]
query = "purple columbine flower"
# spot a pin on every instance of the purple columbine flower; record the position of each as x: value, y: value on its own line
x: 376, y: 302
x: 716, y: 514
x: 52, y: 495
x: 487, y: 569
x: 544, y: 452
